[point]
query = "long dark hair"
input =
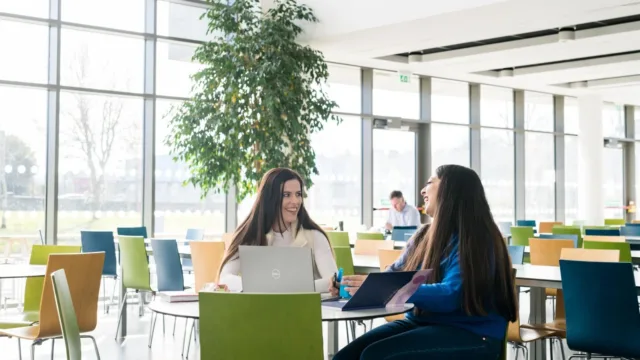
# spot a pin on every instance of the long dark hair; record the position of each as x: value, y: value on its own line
x: 485, y: 266
x: 267, y: 211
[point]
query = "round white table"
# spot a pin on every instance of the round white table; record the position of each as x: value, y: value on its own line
x: 16, y: 271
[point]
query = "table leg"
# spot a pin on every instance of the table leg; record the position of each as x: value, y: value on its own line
x: 123, y: 325
x: 332, y: 339
x: 537, y: 315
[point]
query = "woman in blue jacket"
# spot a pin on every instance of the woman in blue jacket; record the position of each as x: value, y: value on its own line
x: 462, y: 312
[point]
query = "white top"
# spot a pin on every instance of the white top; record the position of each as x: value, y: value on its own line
x: 409, y: 216
x: 324, y: 269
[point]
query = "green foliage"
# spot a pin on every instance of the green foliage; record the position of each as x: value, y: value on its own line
x: 257, y: 100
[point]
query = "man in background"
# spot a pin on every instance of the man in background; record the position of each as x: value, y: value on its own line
x: 401, y: 213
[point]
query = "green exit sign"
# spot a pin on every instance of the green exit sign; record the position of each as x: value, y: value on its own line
x: 404, y: 77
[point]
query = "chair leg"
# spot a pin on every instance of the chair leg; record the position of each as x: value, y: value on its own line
x: 95, y: 344
x: 53, y: 343
x: 113, y: 292
x: 193, y: 327
x: 346, y: 326
x: 184, y: 337
x: 104, y: 295
x: 19, y: 349
x: 124, y: 303
x: 153, y: 327
x: 33, y: 351
x: 525, y: 351
x: 175, y: 320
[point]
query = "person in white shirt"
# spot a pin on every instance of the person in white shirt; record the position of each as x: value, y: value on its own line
x: 278, y: 218
x: 401, y: 213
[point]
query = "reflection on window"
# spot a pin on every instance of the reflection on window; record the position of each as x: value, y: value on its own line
x: 394, y: 98
x: 100, y: 166
x: 571, y: 179
x: 24, y: 57
x: 612, y: 183
x: 22, y: 160
x: 181, y: 21
x: 179, y: 207
x: 174, y: 69
x: 449, y: 145
x: 571, y: 115
x: 538, y: 111
x: 498, y: 172
x: 37, y: 8
x: 496, y: 106
x: 539, y: 181
x: 100, y: 61
x: 449, y: 101
x: 117, y: 14
x: 613, y: 120
x: 394, y: 168
x: 336, y: 193
x: 344, y: 87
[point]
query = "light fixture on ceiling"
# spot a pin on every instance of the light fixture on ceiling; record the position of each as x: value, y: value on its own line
x: 566, y: 35
x: 415, y: 58
x: 578, y: 85
x: 505, y: 73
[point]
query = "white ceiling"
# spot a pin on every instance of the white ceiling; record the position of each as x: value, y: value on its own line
x: 370, y: 32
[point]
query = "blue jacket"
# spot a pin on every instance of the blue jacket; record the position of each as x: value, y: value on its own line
x: 442, y: 302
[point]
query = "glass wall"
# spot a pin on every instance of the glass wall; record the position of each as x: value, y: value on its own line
x: 496, y: 106
x: 394, y: 98
x: 612, y: 182
x: 571, y: 115
x: 449, y: 145
x: 538, y: 111
x: 570, y: 178
x: 613, y: 120
x: 449, y: 101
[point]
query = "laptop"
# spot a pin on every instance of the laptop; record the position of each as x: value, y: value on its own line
x: 272, y: 269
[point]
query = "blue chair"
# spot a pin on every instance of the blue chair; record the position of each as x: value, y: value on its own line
x: 631, y: 230
x: 168, y: 265
x: 529, y: 223
x: 602, y: 232
x: 97, y: 241
x: 601, y: 321
x: 505, y: 227
x: 397, y: 234
x: 133, y: 231
x: 516, y: 252
x: 561, y: 237
x: 192, y: 235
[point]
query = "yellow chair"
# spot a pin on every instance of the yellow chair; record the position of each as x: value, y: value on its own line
x: 547, y: 227
x: 226, y: 239
x: 371, y: 247
x: 84, y: 274
x: 206, y: 257
x: 604, y: 238
x: 546, y: 252
x: 591, y: 255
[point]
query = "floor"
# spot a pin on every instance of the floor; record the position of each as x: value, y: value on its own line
x: 165, y: 346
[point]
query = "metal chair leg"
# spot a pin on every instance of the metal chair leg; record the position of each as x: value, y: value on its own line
x: 113, y: 292
x: 184, y: 337
x: 346, y: 326
x: 153, y: 327
x: 175, y: 320
x: 193, y: 327
x: 124, y: 303
x: 561, y: 348
x: 95, y: 344
x: 19, y: 349
x: 33, y: 351
x: 53, y: 343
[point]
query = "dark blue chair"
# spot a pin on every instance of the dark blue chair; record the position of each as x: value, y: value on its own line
x: 397, y: 234
x: 516, y: 252
x: 601, y: 308
x: 561, y: 237
x: 133, y: 231
x: 602, y: 232
x: 528, y: 223
x: 97, y: 241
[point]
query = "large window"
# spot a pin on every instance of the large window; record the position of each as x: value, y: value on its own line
x: 174, y: 69
x: 23, y: 57
x: 344, y: 87
x: 612, y: 182
x: 449, y: 101
x: 37, y: 8
x: 100, y: 166
x: 181, y: 21
x: 613, y: 120
x: 497, y: 165
x: 449, y: 145
x: 394, y: 168
x: 116, y: 14
x: 637, y: 122
x: 539, y: 182
x: 394, y: 98
x: 22, y: 160
x: 538, y: 111
x: 571, y: 115
x: 178, y: 206
x: 571, y: 178
x: 496, y: 106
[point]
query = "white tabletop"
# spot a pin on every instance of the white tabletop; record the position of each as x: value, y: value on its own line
x: 14, y: 271
x: 191, y: 310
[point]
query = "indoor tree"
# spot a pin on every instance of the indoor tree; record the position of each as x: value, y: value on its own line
x: 256, y: 100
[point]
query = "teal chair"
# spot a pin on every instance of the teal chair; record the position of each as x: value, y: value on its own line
x: 338, y: 238
x: 625, y: 248
x: 344, y: 259
x: 569, y: 230
x: 266, y: 320
x: 67, y: 315
x: 369, y: 236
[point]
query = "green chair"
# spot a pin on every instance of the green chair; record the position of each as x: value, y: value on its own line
x: 520, y: 235
x: 134, y: 265
x: 344, y: 259
x: 625, y: 248
x: 614, y: 222
x: 370, y: 236
x: 266, y: 320
x: 67, y: 315
x: 338, y: 238
x: 569, y: 230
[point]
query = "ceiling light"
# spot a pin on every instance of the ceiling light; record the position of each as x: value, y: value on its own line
x: 505, y: 73
x: 415, y: 58
x: 566, y: 35
x: 578, y: 85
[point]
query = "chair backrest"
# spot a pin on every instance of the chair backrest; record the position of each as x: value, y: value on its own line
x: 344, y: 259
x: 266, y: 320
x: 625, y: 249
x: 194, y: 234
x: 83, y: 272
x: 134, y: 263
x: 527, y: 223
x: 95, y: 241
x: 590, y: 255
x: 516, y: 252
x: 505, y: 227
x: 573, y: 238
x: 614, y: 221
x: 369, y: 236
x: 547, y: 252
x: 605, y: 322
x: 206, y: 257
x: 40, y: 256
x: 133, y: 231
x: 338, y: 238
x: 520, y: 235
x: 604, y: 238
x: 601, y: 232
x: 168, y: 265
x: 227, y: 238
x: 67, y: 315
x: 546, y: 227
x: 398, y: 232
x: 569, y: 230
x: 630, y: 230
x: 371, y: 247
x: 388, y: 257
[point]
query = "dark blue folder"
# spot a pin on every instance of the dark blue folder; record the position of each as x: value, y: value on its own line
x: 376, y: 291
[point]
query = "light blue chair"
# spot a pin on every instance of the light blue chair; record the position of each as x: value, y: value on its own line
x: 505, y: 227
x: 397, y: 234
x: 516, y: 252
x: 97, y: 241
x: 560, y: 237
x: 631, y: 230
x: 601, y: 321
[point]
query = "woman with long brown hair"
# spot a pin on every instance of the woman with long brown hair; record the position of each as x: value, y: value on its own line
x: 462, y: 312
x: 278, y: 218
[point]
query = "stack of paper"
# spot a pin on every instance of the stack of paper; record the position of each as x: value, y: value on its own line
x: 177, y: 296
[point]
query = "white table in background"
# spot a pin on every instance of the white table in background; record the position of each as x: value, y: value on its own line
x: 17, y: 271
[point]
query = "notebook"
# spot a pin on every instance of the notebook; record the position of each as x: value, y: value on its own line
x: 177, y: 296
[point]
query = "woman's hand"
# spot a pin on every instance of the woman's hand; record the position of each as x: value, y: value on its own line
x: 353, y: 282
x: 334, y: 291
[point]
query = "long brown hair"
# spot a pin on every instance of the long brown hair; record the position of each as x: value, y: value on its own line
x: 462, y: 209
x: 267, y: 211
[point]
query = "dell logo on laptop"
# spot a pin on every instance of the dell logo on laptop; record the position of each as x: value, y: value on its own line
x: 275, y: 273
